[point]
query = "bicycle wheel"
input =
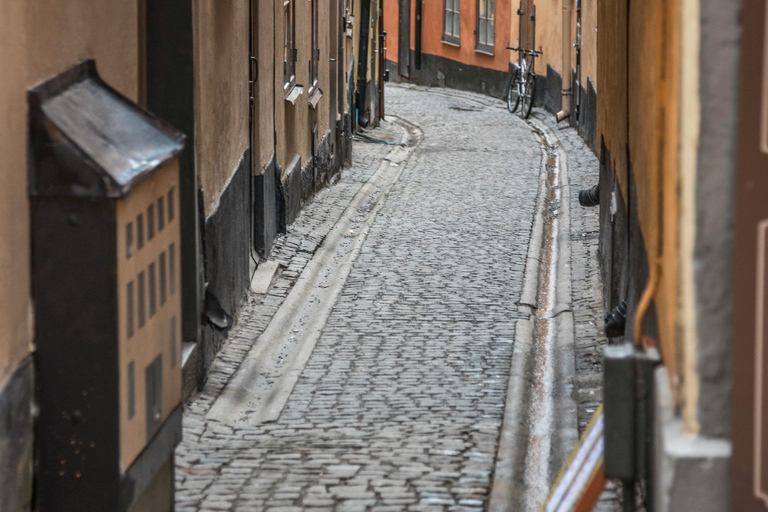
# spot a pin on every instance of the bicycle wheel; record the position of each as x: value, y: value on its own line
x: 513, y: 98
x: 528, y: 96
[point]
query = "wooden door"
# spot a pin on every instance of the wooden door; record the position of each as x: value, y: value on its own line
x: 749, y: 465
x: 527, y: 19
x: 404, y: 37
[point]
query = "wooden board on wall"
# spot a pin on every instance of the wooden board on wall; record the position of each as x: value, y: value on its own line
x: 749, y: 462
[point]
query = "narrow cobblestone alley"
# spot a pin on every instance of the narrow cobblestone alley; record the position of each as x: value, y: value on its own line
x: 400, y: 404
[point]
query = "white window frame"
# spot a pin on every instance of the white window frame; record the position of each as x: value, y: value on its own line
x: 452, y: 22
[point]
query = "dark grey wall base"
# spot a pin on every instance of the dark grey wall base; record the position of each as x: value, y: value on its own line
x: 588, y: 115
x: 553, y: 100
x: 266, y: 212
x: 347, y: 138
x: 438, y: 71
x: 142, y: 473
x: 16, y: 439
x: 323, y: 163
x: 624, y: 260
x: 291, y: 188
x: 227, y: 251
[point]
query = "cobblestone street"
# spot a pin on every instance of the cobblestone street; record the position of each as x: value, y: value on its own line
x: 400, y: 402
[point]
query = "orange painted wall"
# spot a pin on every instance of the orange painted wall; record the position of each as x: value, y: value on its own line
x: 432, y: 32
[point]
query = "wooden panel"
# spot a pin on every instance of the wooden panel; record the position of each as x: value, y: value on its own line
x: 149, y: 325
x: 749, y: 464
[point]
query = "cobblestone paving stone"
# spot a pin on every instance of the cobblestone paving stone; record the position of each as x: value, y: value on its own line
x: 400, y: 405
x: 586, y: 284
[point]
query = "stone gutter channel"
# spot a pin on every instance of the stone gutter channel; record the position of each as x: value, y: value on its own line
x: 540, y: 419
x: 259, y: 390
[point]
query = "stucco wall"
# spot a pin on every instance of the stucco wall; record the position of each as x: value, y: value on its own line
x: 589, y: 43
x: 59, y: 34
x: 221, y: 31
x: 265, y: 104
x: 14, y: 232
x: 38, y: 39
x: 291, y: 120
x: 432, y: 33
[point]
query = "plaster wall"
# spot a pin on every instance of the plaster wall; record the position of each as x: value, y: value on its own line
x: 264, y: 122
x: 38, y: 39
x: 291, y: 120
x: 589, y: 43
x: 432, y: 33
x: 549, y: 30
x: 60, y: 34
x: 15, y: 328
x: 221, y: 32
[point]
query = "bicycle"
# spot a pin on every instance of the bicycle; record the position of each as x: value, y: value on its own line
x: 522, y: 83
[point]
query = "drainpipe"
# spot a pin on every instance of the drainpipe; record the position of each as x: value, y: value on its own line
x: 362, y: 62
x: 566, y: 92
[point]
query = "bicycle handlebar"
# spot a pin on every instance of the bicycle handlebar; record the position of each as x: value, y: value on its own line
x: 534, y: 53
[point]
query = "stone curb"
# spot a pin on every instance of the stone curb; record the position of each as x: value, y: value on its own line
x: 509, y: 489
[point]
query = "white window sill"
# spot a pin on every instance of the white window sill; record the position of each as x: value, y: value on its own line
x: 314, y: 97
x: 293, y: 94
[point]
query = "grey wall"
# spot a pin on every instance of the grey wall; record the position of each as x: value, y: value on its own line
x: 719, y: 72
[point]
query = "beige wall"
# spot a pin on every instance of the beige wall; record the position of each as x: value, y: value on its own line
x: 39, y: 39
x: 291, y: 120
x: 15, y: 332
x: 589, y: 42
x: 265, y: 105
x: 61, y: 33
x: 549, y: 28
x: 221, y: 34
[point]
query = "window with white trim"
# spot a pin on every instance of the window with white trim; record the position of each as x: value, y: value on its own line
x: 314, y: 60
x: 485, y: 25
x: 451, y: 21
x: 289, y: 49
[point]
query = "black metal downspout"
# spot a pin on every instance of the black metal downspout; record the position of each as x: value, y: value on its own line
x: 362, y: 62
x: 418, y: 34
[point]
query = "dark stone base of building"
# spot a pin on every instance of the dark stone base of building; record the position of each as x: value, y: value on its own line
x: 622, y: 247
x: 438, y: 71
x: 587, y: 125
x: 291, y: 190
x: 323, y: 164
x: 227, y: 251
x: 553, y: 99
x: 266, y: 214
x: 258, y: 209
x: 16, y: 439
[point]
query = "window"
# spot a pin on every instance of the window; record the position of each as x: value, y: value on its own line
x: 314, y: 60
x: 451, y: 22
x: 485, y: 29
x: 289, y: 50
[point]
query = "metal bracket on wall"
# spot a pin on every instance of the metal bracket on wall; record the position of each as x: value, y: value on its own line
x: 628, y: 404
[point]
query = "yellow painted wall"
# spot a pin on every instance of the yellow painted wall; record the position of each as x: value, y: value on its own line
x: 589, y: 42
x: 15, y: 330
x: 265, y: 87
x: 222, y: 99
x: 291, y: 120
x: 39, y: 39
x: 60, y: 34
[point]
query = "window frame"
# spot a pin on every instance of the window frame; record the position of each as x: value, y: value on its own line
x: 451, y: 38
x: 314, y: 60
x: 289, y: 46
x: 485, y: 46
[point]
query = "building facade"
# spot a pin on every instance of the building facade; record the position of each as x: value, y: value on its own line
x: 267, y: 95
x: 670, y: 96
x: 452, y: 43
